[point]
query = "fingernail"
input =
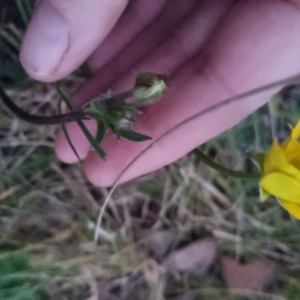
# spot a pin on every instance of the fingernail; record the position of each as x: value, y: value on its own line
x: 45, y: 42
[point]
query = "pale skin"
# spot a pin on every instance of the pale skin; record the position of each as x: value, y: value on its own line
x: 210, y: 49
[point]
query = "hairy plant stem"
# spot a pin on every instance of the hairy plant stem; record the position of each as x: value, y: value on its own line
x: 109, y: 103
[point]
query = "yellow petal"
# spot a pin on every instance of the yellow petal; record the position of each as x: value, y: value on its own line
x: 281, y: 186
x: 291, y: 149
x: 292, y: 208
x: 291, y: 146
x: 275, y: 161
x: 296, y: 131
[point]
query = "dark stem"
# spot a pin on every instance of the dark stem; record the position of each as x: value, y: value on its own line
x: 112, y: 102
x: 238, y: 174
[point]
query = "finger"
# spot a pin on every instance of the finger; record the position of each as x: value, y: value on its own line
x: 136, y: 17
x: 142, y: 46
x: 190, y: 35
x: 64, y: 150
x: 62, y: 35
x: 243, y: 55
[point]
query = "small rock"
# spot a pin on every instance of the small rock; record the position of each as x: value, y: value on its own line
x: 197, y: 256
x: 157, y: 242
x: 253, y: 276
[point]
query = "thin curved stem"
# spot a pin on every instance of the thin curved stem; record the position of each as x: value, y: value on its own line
x: 42, y: 120
x: 197, y: 115
x: 207, y: 160
x: 64, y: 129
x: 78, y: 115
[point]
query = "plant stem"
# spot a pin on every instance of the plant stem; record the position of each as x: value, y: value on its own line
x: 222, y: 169
x: 110, y: 103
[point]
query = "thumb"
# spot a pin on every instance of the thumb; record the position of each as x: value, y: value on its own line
x: 62, y: 34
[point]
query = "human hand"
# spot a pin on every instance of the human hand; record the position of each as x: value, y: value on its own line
x: 211, y: 49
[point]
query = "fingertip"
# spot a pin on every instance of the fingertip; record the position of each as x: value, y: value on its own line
x: 92, y: 168
x: 46, y: 40
x: 60, y: 38
x: 104, y: 173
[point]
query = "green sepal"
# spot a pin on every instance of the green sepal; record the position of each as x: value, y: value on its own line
x: 257, y: 158
x: 95, y: 108
x: 263, y: 194
x: 133, y: 136
x: 114, y: 128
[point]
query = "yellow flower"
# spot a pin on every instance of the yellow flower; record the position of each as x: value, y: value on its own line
x: 281, y: 173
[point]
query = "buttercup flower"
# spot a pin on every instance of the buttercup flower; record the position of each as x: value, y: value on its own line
x: 280, y: 168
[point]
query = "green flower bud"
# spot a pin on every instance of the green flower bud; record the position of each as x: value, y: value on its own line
x: 148, y: 87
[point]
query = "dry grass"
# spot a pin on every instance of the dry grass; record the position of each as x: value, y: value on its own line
x: 48, y: 214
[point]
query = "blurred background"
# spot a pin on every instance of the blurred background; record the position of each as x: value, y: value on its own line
x: 184, y: 232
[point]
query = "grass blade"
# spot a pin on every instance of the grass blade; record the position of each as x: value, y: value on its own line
x: 67, y: 134
x: 22, y: 11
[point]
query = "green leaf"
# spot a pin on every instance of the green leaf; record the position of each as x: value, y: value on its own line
x: 96, y: 108
x: 100, y: 131
x: 133, y: 136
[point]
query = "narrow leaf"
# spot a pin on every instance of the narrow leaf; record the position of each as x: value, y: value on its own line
x: 90, y: 138
x: 133, y: 136
x: 100, y: 131
x: 22, y: 11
